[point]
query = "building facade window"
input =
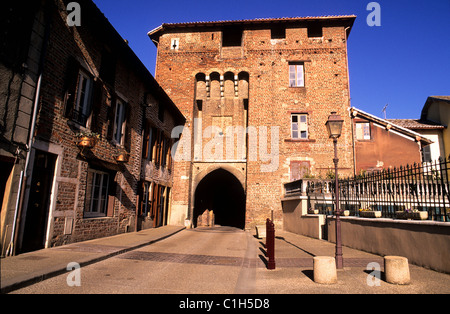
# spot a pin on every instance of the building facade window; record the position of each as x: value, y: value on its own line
x: 362, y: 131
x: 96, y: 193
x: 146, y: 207
x: 426, y: 154
x: 82, y: 104
x: 119, y: 122
x: 157, y: 147
x: 299, y: 126
x: 296, y: 74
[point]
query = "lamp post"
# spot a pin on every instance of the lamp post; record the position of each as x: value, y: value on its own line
x: 334, y: 128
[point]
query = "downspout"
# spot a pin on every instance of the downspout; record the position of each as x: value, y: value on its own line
x: 349, y: 100
x: 23, y: 174
x: 23, y: 180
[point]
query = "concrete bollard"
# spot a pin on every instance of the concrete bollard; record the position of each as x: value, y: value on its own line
x: 396, y: 270
x: 325, y: 270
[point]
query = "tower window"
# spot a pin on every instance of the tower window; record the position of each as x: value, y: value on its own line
x: 232, y: 37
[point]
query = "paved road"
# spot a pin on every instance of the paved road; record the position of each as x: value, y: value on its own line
x: 225, y: 260
x: 192, y: 261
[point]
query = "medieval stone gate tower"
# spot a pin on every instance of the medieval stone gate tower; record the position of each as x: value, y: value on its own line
x: 256, y: 95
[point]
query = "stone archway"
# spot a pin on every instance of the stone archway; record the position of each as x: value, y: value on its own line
x: 221, y: 192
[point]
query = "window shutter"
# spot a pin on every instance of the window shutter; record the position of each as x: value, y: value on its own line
x: 110, y: 210
x: 96, y: 104
x: 127, y: 135
x: 111, y: 196
x: 110, y: 117
x: 70, y: 85
x: 146, y: 140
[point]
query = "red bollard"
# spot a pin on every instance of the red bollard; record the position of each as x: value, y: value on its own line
x: 270, y: 244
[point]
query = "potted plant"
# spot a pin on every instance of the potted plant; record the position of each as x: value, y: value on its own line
x: 313, y: 211
x: 412, y: 213
x: 123, y: 157
x: 86, y: 139
x: 367, y: 213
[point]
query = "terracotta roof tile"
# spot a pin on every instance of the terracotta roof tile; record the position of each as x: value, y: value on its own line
x: 416, y: 124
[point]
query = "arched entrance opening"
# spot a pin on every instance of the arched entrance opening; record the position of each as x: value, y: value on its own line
x: 221, y: 192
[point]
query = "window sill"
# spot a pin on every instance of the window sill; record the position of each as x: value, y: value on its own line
x: 95, y: 216
x: 296, y: 89
x: 300, y: 140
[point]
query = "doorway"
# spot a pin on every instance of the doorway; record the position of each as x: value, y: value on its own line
x: 37, y: 210
x: 221, y: 192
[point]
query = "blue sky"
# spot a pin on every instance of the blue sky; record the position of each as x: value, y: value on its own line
x: 399, y: 63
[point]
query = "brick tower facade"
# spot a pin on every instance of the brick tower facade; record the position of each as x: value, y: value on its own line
x: 256, y: 95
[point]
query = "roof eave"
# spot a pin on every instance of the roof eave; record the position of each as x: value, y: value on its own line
x: 156, y: 32
x: 396, y: 127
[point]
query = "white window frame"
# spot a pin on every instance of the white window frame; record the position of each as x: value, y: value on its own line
x: 296, y: 74
x: 362, y: 131
x: 100, y: 195
x: 83, y: 94
x: 299, y: 128
x: 119, y: 122
x: 147, y: 194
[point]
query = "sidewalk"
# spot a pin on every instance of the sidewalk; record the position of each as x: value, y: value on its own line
x: 294, y: 271
x: 25, y: 269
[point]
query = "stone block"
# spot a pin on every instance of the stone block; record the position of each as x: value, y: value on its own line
x: 325, y: 270
x: 396, y: 270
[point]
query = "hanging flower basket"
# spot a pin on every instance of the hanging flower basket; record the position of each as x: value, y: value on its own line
x: 123, y: 157
x: 86, y: 140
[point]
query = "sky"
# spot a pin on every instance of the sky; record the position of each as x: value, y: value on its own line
x: 399, y: 63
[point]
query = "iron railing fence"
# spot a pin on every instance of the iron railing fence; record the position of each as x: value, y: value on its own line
x: 417, y: 187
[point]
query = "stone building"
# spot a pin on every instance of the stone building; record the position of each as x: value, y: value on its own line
x: 256, y: 95
x: 78, y: 107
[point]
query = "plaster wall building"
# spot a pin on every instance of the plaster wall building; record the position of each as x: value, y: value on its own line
x: 382, y: 144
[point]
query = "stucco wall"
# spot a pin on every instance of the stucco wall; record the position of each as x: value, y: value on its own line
x: 424, y: 243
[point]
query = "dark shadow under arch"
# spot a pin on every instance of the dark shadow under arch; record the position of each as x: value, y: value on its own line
x: 223, y: 193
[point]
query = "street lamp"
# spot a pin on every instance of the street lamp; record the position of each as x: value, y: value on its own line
x: 334, y: 128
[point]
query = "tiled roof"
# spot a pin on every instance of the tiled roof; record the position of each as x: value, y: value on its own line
x: 441, y: 97
x: 397, y: 127
x: 252, y: 21
x: 416, y: 124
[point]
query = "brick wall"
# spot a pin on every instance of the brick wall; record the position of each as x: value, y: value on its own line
x: 115, y: 75
x: 270, y: 102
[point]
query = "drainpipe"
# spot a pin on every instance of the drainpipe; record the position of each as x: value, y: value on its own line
x: 349, y: 100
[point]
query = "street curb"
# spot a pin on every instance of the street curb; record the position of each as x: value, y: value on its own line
x: 29, y: 279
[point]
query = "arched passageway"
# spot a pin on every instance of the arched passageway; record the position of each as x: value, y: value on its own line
x: 221, y: 192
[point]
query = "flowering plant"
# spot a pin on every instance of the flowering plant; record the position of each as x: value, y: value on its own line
x: 88, y: 134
